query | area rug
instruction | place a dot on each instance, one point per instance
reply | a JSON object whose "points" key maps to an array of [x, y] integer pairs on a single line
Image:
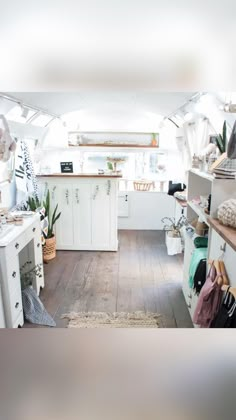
{"points": [[137, 319]]}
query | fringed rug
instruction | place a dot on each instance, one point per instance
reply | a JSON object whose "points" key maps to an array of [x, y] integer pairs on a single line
{"points": [[137, 319]]}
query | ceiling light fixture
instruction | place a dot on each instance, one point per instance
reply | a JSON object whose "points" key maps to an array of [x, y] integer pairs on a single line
{"points": [[25, 112], [188, 116]]}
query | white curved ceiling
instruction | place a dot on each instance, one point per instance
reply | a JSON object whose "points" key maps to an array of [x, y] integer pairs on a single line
{"points": [[161, 103]]}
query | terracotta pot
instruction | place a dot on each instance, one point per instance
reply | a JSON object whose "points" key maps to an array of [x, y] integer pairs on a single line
{"points": [[49, 249]]}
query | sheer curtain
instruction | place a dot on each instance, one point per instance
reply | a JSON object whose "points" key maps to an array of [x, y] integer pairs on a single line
{"points": [[196, 138]]}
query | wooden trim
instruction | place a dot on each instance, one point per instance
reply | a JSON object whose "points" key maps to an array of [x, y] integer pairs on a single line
{"points": [[136, 146], [78, 176], [111, 132], [226, 232]]}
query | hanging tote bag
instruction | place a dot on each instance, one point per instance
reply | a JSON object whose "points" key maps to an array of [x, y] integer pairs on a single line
{"points": [[209, 300]]}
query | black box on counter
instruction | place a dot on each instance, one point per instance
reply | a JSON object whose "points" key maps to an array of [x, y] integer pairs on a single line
{"points": [[66, 167]]}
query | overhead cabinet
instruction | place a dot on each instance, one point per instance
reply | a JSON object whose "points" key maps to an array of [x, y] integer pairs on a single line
{"points": [[88, 209]]}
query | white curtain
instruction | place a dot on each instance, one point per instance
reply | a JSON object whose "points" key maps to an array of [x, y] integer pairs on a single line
{"points": [[196, 138]]}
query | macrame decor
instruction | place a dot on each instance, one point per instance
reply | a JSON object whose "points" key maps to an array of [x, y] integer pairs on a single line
{"points": [[227, 213]]}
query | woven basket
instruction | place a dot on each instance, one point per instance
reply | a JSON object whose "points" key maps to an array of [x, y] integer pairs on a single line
{"points": [[143, 185], [49, 249]]}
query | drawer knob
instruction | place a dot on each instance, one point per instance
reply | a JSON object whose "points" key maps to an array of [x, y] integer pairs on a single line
{"points": [[38, 245], [17, 305], [34, 229], [189, 305], [190, 296], [17, 245], [14, 274]]}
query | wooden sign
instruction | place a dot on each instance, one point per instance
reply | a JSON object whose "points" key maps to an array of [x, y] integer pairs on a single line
{"points": [[66, 167]]}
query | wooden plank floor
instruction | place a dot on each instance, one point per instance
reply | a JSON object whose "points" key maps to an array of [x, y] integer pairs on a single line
{"points": [[140, 276]]}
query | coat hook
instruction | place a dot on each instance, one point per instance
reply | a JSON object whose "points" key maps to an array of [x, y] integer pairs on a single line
{"points": [[223, 247]]}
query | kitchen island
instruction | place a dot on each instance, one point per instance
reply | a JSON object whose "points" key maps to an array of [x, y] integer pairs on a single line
{"points": [[88, 206]]}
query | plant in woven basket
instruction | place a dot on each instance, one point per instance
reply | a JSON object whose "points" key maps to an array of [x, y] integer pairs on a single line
{"points": [[172, 226], [52, 216], [49, 249]]}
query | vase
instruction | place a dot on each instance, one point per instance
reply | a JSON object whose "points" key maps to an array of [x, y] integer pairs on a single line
{"points": [[49, 249]]}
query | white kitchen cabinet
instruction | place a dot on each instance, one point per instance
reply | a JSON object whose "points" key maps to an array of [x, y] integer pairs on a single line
{"points": [[63, 195], [123, 204], [104, 214], [82, 215], [88, 207]]}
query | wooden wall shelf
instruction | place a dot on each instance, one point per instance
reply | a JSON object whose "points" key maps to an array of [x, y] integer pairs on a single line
{"points": [[226, 232], [130, 146]]}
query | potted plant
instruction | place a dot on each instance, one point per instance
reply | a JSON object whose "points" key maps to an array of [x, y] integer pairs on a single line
{"points": [[49, 248], [221, 139], [173, 233]]}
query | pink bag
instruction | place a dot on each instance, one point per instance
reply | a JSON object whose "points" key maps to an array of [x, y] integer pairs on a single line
{"points": [[209, 300]]}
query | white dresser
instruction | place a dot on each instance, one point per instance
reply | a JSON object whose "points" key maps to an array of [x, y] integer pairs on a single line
{"points": [[21, 244]]}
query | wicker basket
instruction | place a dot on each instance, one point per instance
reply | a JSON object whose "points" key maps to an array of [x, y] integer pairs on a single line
{"points": [[49, 249], [143, 185]]}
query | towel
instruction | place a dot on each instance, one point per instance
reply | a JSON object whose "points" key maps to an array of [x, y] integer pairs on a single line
{"points": [[26, 183]]}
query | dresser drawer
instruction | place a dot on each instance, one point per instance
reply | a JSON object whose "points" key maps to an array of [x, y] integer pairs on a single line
{"points": [[15, 305], [34, 231], [16, 246], [13, 283], [19, 321]]}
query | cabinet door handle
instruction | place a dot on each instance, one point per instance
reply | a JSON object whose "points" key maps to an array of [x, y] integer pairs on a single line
{"points": [[14, 274], [17, 245], [53, 192], [77, 195], [96, 192], [67, 197], [34, 229], [17, 305], [108, 187], [126, 197]]}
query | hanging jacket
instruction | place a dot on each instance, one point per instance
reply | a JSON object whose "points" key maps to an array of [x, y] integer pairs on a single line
{"points": [[198, 255], [200, 276], [226, 316], [209, 300]]}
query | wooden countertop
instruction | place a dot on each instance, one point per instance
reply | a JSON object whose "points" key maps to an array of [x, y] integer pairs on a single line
{"points": [[226, 232], [59, 175]]}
